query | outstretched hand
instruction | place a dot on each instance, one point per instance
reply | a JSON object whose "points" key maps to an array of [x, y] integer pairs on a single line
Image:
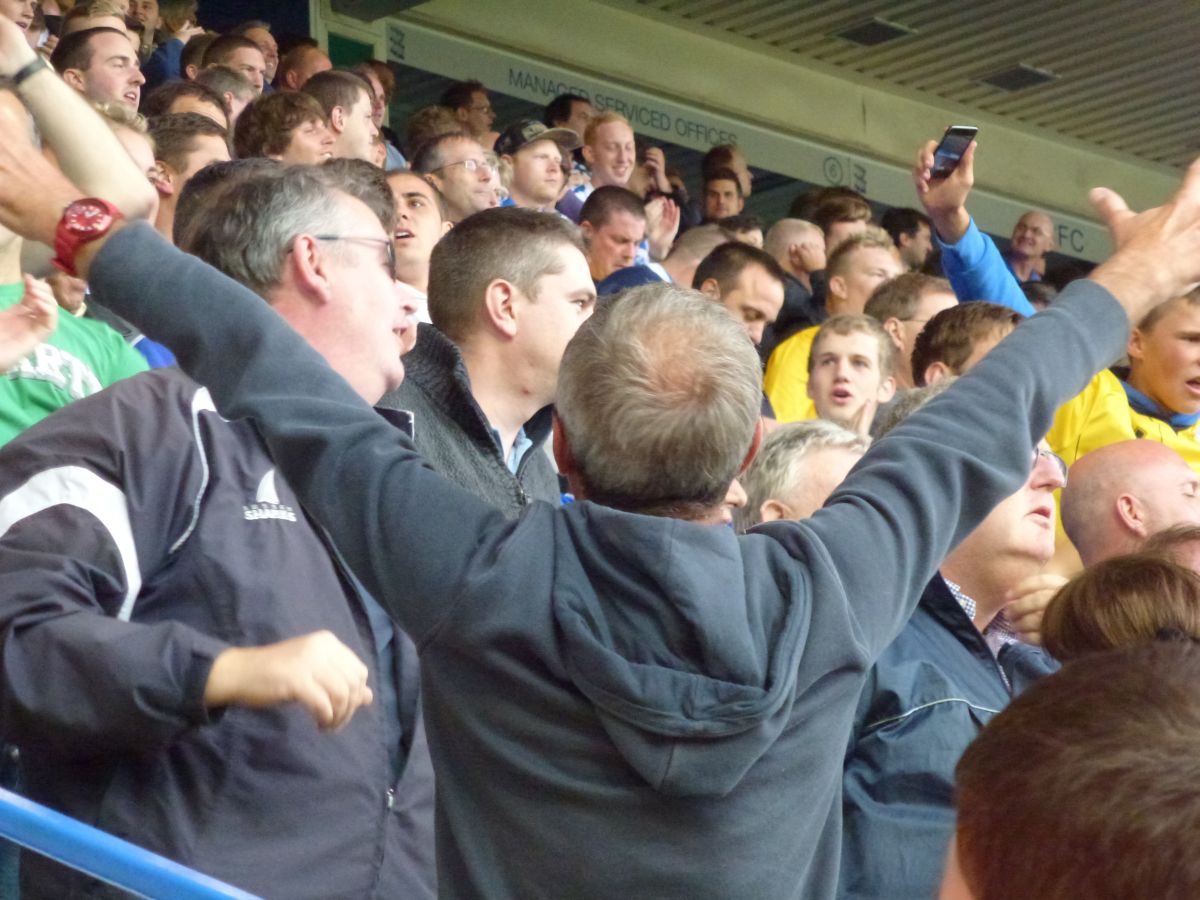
{"points": [[315, 670], [1157, 254], [945, 199], [662, 224]]}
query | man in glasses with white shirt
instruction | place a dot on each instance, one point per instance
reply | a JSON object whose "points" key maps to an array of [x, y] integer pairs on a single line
{"points": [[457, 165]]}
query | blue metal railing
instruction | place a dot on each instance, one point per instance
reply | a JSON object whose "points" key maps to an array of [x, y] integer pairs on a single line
{"points": [[103, 856]]}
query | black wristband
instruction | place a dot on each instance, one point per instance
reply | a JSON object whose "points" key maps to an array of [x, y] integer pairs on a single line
{"points": [[29, 69]]}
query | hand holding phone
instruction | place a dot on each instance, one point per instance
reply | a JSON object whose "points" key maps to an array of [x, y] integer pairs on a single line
{"points": [[950, 149], [943, 177]]}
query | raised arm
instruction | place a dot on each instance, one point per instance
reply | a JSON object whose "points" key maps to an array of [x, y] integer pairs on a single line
{"points": [[927, 484], [88, 151], [969, 257]]}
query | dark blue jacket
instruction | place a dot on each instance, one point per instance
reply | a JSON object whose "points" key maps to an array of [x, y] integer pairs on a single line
{"points": [[924, 701], [140, 535]]}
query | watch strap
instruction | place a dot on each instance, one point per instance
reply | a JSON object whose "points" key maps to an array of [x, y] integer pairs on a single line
{"points": [[28, 70]]}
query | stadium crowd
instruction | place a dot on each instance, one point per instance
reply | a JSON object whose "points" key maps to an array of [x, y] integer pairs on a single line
{"points": [[461, 509]]}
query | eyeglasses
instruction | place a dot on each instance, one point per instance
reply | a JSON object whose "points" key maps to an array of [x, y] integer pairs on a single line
{"points": [[471, 165], [389, 247], [1059, 463]]}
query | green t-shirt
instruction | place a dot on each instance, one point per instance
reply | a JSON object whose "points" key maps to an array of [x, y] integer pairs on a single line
{"points": [[79, 359]]}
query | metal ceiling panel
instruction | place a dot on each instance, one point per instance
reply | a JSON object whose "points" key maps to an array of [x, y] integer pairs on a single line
{"points": [[1126, 71]]}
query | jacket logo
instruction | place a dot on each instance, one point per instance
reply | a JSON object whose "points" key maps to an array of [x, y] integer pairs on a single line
{"points": [[266, 503]]}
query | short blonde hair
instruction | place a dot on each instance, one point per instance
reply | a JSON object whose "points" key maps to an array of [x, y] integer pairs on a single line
{"points": [[599, 120]]}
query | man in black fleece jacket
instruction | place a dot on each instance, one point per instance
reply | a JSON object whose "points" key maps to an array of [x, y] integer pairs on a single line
{"points": [[653, 707]]}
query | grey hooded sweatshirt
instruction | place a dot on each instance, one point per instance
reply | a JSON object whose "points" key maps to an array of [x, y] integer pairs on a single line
{"points": [[622, 705]]}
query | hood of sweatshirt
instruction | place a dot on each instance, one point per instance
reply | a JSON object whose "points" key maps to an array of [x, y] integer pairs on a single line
{"points": [[686, 644]]}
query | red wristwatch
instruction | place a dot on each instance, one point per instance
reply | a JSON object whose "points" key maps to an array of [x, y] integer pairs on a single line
{"points": [[82, 221]]}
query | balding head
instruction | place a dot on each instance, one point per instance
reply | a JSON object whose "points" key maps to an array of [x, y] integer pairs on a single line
{"points": [[693, 245], [1119, 495], [788, 240], [1033, 235]]}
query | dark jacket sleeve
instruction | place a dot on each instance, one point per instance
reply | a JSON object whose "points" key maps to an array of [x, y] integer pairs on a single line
{"points": [[164, 64], [926, 485], [82, 526], [387, 511], [915, 495]]}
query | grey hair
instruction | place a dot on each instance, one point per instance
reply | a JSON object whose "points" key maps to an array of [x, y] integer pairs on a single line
{"points": [[250, 232], [658, 394], [782, 464]]}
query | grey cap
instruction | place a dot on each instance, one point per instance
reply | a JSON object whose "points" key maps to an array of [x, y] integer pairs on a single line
{"points": [[525, 131]]}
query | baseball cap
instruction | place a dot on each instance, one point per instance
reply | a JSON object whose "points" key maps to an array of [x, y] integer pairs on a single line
{"points": [[526, 131]]}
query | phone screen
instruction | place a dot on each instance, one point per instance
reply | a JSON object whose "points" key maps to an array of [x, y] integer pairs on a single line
{"points": [[954, 144]]}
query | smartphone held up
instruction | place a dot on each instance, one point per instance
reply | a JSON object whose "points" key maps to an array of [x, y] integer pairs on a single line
{"points": [[950, 149]]}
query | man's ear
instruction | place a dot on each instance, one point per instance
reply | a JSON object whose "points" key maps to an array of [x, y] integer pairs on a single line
{"points": [[499, 306], [589, 156], [1135, 347], [163, 178], [308, 269], [773, 511], [74, 78], [710, 288], [1132, 515], [446, 226], [895, 327], [837, 289], [936, 371], [586, 229], [887, 389], [337, 119]]}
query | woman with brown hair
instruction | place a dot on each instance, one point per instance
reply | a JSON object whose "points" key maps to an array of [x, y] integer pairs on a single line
{"points": [[1121, 601]]}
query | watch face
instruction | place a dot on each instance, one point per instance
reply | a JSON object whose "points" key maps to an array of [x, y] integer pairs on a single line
{"points": [[87, 217]]}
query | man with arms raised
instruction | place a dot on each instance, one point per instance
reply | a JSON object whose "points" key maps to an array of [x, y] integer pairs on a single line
{"points": [[593, 687], [1157, 397]]}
